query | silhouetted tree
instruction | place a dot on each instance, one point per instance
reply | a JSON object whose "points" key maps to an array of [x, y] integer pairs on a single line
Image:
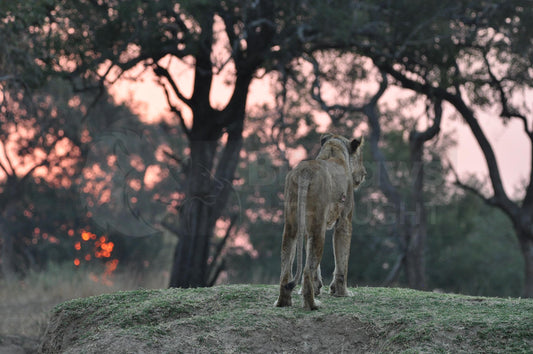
{"points": [[105, 39], [470, 54]]}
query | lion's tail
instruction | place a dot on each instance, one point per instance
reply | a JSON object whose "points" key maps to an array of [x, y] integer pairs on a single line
{"points": [[303, 186]]}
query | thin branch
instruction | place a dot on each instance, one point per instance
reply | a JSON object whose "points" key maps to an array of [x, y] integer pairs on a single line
{"points": [[384, 180], [175, 110], [382, 88], [434, 129], [281, 104], [229, 22], [218, 264], [335, 111], [4, 169], [216, 273], [10, 165], [4, 104], [94, 101], [489, 201], [28, 174], [162, 72], [44, 162], [507, 111], [393, 274], [222, 243], [172, 156], [7, 77]]}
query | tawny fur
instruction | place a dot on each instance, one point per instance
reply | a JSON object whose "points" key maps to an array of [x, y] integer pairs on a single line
{"points": [[319, 196]]}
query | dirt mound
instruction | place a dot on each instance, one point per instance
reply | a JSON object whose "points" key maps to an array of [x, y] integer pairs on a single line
{"points": [[231, 319], [242, 318]]}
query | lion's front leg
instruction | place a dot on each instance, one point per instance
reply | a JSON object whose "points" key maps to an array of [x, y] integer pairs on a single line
{"points": [[341, 248]]}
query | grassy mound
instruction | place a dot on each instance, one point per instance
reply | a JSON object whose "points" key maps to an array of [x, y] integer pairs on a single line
{"points": [[241, 318]]}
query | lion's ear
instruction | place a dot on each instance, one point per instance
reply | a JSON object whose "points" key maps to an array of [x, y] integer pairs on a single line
{"points": [[355, 143], [325, 138]]}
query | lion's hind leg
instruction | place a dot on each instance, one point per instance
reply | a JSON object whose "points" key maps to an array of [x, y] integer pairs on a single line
{"points": [[318, 284], [288, 250], [341, 249], [309, 288], [311, 279]]}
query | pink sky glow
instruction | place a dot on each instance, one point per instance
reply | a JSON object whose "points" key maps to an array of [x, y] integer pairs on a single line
{"points": [[512, 149]]}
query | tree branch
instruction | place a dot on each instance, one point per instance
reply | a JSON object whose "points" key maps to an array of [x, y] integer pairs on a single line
{"points": [[218, 264], [10, 165], [7, 77], [457, 101], [222, 243], [234, 40], [434, 129], [335, 111], [507, 111], [466, 187], [369, 109], [213, 276], [393, 274], [4, 169], [176, 111], [279, 124], [222, 184], [162, 72], [28, 174]]}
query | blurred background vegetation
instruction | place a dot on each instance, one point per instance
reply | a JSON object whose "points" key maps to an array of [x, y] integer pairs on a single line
{"points": [[92, 192]]}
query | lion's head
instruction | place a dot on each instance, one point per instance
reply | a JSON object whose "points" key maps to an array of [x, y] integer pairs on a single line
{"points": [[352, 150]]}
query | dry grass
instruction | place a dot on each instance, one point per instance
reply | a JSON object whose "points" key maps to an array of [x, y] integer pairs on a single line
{"points": [[25, 305]]}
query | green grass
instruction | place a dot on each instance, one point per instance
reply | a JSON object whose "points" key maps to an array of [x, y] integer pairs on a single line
{"points": [[241, 318]]}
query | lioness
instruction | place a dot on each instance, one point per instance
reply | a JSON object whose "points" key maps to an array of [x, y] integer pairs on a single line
{"points": [[318, 196]]}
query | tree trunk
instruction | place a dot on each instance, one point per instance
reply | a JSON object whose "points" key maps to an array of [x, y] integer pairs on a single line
{"points": [[7, 259], [521, 216], [411, 225], [207, 197], [189, 269], [415, 261], [526, 246], [208, 188], [8, 270], [414, 254]]}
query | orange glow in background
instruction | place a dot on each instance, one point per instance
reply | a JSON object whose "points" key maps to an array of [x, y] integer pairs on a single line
{"points": [[101, 248]]}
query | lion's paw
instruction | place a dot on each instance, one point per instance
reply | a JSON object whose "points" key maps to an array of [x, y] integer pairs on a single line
{"points": [[283, 302], [340, 291], [315, 306]]}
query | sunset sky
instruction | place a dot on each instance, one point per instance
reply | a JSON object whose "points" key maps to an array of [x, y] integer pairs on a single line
{"points": [[511, 145]]}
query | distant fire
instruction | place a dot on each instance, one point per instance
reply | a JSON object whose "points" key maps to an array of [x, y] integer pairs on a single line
{"points": [[111, 266], [93, 247], [86, 236]]}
